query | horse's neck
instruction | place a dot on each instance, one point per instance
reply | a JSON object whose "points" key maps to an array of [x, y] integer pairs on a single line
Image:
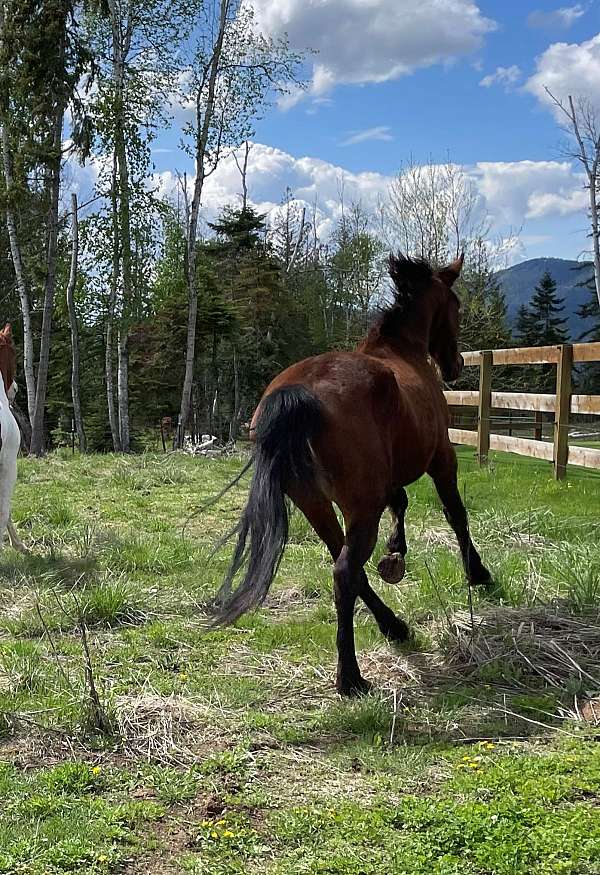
{"points": [[404, 346]]}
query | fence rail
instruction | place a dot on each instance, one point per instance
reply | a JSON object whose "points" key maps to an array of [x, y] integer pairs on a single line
{"points": [[562, 404]]}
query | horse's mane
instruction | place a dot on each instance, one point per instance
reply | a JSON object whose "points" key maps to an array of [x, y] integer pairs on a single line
{"points": [[411, 276], [6, 337]]}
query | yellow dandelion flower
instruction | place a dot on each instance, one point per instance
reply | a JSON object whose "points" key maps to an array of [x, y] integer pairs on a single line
{"points": [[102, 858], [96, 770], [214, 835], [228, 834]]}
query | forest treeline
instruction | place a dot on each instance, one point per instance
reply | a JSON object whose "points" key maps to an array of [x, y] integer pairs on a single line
{"points": [[134, 306]]}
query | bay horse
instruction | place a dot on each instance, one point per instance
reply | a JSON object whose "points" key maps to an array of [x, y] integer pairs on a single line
{"points": [[352, 429], [10, 436]]}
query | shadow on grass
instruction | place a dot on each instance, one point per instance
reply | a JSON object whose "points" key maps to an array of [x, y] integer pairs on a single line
{"points": [[53, 568]]}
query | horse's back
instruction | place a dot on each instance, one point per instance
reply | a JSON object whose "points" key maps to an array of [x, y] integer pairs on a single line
{"points": [[375, 436]]}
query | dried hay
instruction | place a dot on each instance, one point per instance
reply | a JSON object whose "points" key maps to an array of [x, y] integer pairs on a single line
{"points": [[162, 728], [526, 646]]}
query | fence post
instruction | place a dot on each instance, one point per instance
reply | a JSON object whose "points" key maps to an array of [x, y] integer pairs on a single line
{"points": [[562, 410], [485, 406]]}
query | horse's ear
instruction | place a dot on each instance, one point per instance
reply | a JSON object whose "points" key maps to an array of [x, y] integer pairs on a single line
{"points": [[451, 273], [7, 330]]}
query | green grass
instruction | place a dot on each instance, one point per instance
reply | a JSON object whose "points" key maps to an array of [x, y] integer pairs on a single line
{"points": [[230, 752]]}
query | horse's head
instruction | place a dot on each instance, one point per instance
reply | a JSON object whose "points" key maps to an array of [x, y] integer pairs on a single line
{"points": [[427, 310], [8, 360]]}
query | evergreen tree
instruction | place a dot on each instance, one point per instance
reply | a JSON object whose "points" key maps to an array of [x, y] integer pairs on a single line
{"points": [[548, 325], [541, 324], [526, 329]]}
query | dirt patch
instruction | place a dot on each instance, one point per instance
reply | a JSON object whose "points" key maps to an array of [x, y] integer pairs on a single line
{"points": [[168, 838]]}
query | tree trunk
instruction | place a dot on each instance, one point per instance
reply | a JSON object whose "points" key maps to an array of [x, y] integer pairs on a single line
{"points": [[233, 424], [123, 387], [37, 430], [112, 302], [203, 130], [122, 220], [595, 232], [75, 357], [24, 426], [108, 371], [22, 285]]}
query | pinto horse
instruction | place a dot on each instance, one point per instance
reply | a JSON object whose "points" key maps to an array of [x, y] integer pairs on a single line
{"points": [[10, 436], [352, 429]]}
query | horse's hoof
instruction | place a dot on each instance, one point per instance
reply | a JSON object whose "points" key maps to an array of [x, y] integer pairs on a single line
{"points": [[351, 688], [392, 567], [481, 578], [396, 631]]}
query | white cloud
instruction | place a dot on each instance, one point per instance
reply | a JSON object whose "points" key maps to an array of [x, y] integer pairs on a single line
{"points": [[506, 76], [360, 41], [563, 18], [513, 194], [520, 190], [383, 132], [568, 68], [548, 203]]}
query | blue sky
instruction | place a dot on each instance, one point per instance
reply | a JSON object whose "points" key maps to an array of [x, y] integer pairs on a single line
{"points": [[428, 78]]}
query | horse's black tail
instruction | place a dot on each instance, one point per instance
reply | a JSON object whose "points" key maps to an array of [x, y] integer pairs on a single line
{"points": [[290, 418]]}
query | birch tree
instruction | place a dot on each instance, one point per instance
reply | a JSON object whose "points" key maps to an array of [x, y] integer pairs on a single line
{"points": [[582, 124], [137, 50], [432, 212], [235, 71], [75, 355], [36, 87]]}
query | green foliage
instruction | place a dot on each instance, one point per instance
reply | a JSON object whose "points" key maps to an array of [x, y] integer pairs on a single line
{"points": [[543, 322], [56, 821]]}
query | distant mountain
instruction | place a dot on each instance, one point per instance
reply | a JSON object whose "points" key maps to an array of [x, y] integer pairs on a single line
{"points": [[519, 281]]}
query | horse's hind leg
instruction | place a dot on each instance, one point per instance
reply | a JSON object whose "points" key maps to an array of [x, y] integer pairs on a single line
{"points": [[391, 626], [446, 485], [391, 567], [321, 515], [348, 576]]}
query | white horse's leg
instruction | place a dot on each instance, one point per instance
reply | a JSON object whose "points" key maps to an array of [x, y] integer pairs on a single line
{"points": [[15, 542]]}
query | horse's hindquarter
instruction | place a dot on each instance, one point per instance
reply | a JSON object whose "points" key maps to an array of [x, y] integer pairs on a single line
{"points": [[381, 425]]}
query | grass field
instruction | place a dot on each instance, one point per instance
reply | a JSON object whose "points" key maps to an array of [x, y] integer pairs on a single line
{"points": [[171, 750]]}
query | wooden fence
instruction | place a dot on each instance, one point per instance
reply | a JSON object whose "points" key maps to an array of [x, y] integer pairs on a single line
{"points": [[562, 405]]}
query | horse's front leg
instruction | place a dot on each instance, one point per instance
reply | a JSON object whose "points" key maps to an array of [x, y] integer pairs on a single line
{"points": [[392, 566], [456, 514]]}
